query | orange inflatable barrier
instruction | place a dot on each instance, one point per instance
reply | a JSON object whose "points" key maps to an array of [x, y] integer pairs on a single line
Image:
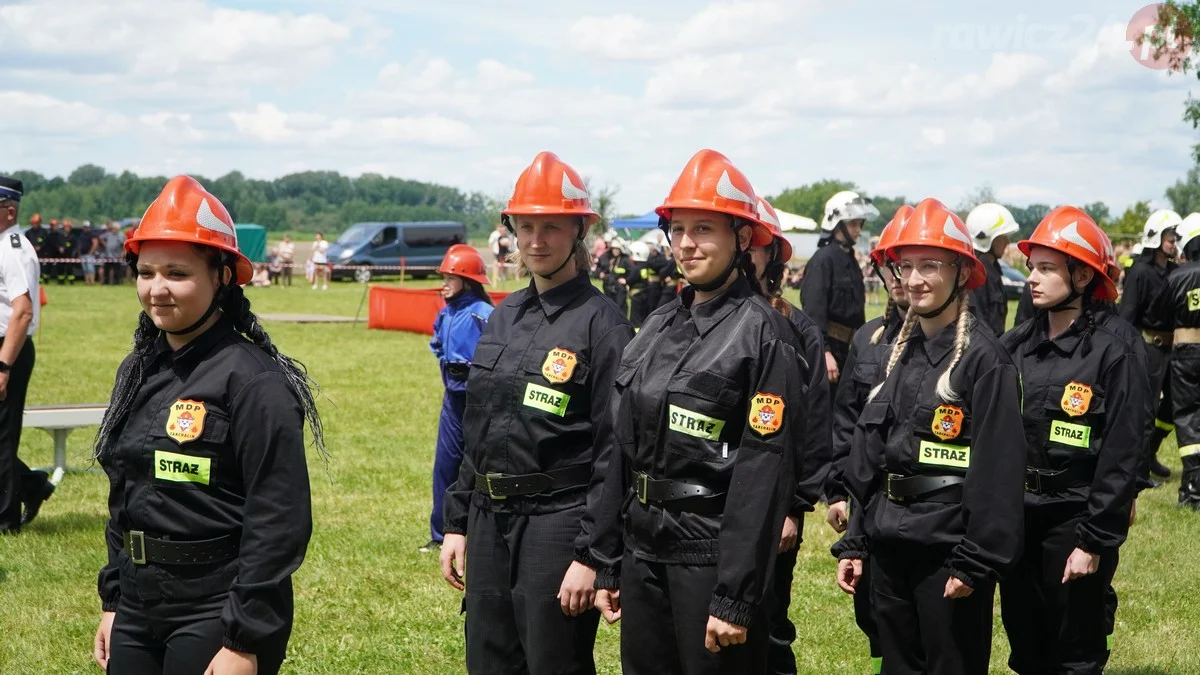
{"points": [[408, 309]]}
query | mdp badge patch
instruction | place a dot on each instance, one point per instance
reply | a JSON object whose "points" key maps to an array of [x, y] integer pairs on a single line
{"points": [[947, 422], [186, 420], [1077, 399], [559, 365], [766, 413]]}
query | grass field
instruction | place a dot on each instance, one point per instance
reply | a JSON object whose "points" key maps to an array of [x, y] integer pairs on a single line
{"points": [[367, 601]]}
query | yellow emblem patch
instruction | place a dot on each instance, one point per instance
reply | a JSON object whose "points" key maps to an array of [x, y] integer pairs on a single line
{"points": [[186, 421], [766, 413], [1077, 398], [559, 365], [947, 422]]}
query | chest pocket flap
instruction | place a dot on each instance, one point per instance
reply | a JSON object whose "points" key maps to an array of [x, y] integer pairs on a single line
{"points": [[486, 355]]}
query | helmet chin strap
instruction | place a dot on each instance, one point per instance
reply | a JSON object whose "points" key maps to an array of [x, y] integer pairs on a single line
{"points": [[841, 227], [720, 280], [1065, 303], [212, 307], [951, 298]]}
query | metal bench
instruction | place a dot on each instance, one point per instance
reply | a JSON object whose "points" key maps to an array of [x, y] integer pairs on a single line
{"points": [[59, 421]]}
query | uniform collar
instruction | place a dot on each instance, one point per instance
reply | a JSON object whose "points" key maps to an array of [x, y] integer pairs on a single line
{"points": [[10, 228], [936, 348], [554, 300], [1065, 344], [195, 350], [707, 315]]}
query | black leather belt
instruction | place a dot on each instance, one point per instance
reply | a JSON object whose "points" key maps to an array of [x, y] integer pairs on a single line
{"points": [[458, 371], [1041, 481], [656, 490], [143, 549], [945, 488], [501, 486]]}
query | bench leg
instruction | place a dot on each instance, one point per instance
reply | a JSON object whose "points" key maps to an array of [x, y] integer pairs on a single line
{"points": [[60, 455]]}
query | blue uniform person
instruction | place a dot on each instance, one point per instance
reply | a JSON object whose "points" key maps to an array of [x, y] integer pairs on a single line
{"points": [[456, 331]]}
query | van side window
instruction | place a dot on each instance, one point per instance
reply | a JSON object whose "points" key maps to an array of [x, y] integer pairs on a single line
{"points": [[384, 237], [432, 237]]}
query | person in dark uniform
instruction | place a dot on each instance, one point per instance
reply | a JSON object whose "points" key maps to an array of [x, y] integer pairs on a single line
{"points": [[1143, 282], [1178, 306], [770, 261], [456, 331], [616, 282], [68, 247], [36, 234], [1025, 309], [990, 226], [19, 314], [668, 273], [864, 370], [654, 264], [203, 444], [935, 464], [832, 292], [709, 420], [537, 431], [1082, 387], [51, 245], [638, 281]]}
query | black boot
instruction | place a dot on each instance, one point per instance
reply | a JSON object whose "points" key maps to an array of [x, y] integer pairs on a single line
{"points": [[36, 496], [1189, 483], [1156, 467]]}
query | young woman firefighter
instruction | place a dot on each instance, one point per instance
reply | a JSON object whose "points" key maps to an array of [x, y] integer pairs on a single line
{"points": [[935, 465], [203, 444], [1178, 306], [456, 331], [769, 263], [536, 421], [709, 413], [1080, 380], [869, 352], [1143, 282]]}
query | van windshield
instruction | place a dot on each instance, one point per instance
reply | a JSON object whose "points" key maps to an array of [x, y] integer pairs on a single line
{"points": [[357, 234]]}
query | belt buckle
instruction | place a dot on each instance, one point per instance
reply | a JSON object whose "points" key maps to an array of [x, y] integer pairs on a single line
{"points": [[135, 541], [889, 488], [1033, 482], [491, 492], [643, 486]]}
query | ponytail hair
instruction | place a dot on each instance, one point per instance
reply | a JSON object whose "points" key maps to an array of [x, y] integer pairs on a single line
{"points": [[889, 313], [962, 340], [233, 304], [772, 279], [898, 347], [476, 289]]}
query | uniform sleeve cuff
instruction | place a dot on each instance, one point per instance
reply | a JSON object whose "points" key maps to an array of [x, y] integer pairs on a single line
{"points": [[235, 645], [110, 605], [733, 611], [963, 577], [454, 529], [608, 579]]}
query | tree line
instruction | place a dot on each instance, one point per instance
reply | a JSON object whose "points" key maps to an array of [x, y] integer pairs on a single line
{"points": [[310, 201]]}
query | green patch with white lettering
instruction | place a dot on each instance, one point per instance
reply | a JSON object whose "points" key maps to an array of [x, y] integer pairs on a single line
{"points": [[179, 468], [694, 424], [546, 399], [1076, 435], [944, 455]]}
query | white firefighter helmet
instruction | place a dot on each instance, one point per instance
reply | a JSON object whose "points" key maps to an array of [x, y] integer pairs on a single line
{"points": [[1160, 221], [988, 221], [847, 205], [1138, 248], [1188, 230], [639, 251]]}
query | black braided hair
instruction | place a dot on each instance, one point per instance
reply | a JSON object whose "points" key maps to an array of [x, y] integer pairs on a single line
{"points": [[236, 306], [772, 278]]}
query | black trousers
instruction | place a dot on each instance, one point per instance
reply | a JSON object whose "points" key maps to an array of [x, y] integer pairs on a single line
{"points": [[664, 615], [782, 633], [921, 632], [176, 638], [639, 306], [16, 479], [1185, 392], [864, 616], [1056, 628], [618, 294], [1158, 364], [514, 623]]}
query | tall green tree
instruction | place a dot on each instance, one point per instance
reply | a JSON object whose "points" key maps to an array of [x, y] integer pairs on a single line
{"points": [[1177, 38], [1132, 221], [1184, 195], [809, 200]]}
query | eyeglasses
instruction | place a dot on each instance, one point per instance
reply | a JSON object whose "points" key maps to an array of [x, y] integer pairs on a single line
{"points": [[925, 269]]}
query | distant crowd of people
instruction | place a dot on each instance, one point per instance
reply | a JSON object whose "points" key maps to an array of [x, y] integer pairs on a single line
{"points": [[100, 250]]}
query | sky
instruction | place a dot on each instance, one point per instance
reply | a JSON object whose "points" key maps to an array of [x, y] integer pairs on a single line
{"points": [[1040, 100]]}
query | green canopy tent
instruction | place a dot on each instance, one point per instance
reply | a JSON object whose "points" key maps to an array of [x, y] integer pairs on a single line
{"points": [[252, 240]]}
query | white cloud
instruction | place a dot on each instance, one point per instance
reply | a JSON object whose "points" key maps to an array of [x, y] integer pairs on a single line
{"points": [[172, 126], [268, 124], [495, 76], [934, 135], [981, 132], [41, 114], [1028, 194]]}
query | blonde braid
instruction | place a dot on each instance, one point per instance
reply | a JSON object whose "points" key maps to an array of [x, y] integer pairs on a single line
{"points": [[962, 340], [887, 316], [910, 322]]}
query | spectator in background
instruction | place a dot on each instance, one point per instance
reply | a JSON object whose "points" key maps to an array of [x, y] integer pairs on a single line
{"points": [[89, 250], [51, 249], [261, 277], [287, 256], [320, 259], [114, 252], [36, 233], [274, 266], [68, 247]]}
